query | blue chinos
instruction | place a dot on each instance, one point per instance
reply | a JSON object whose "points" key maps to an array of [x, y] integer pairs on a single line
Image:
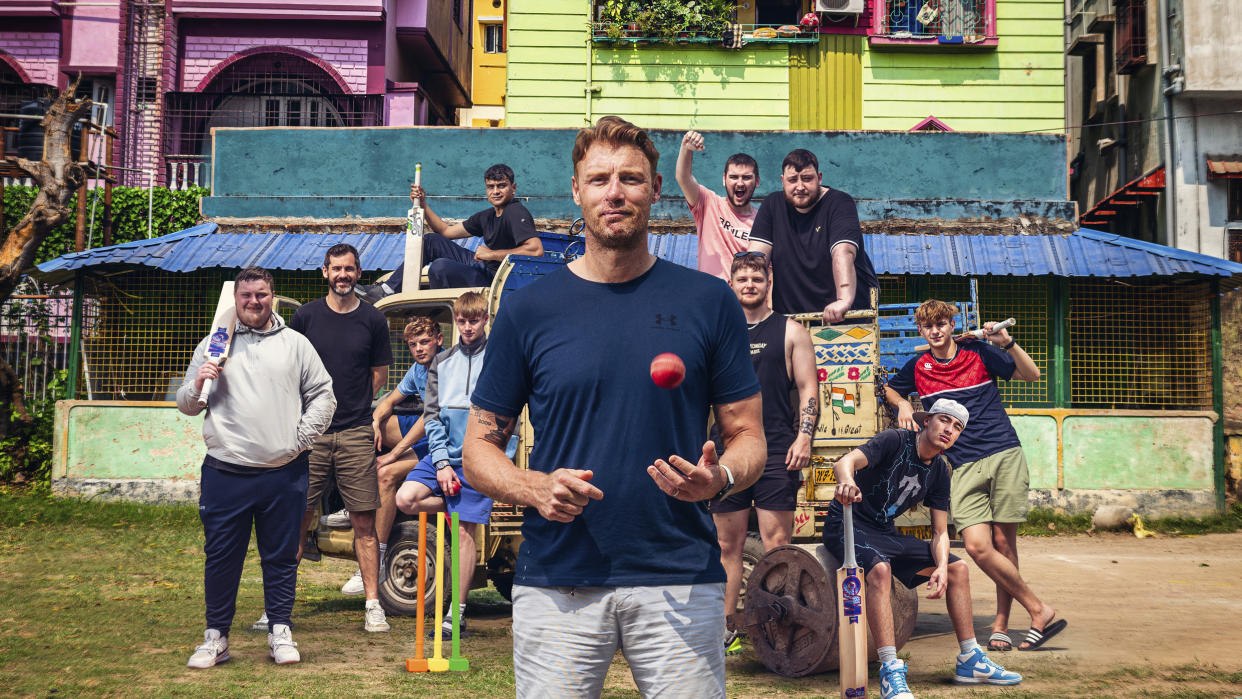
{"points": [[274, 500]]}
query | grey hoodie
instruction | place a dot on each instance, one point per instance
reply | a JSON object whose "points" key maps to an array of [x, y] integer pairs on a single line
{"points": [[272, 400]]}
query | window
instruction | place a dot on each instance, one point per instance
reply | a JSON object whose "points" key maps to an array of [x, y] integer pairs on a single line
{"points": [[457, 12], [1131, 37], [1235, 200], [1233, 214], [493, 38], [967, 22]]}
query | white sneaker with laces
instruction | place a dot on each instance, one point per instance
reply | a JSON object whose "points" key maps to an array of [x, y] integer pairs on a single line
{"points": [[260, 626], [215, 650], [375, 621], [336, 520], [353, 586], [284, 650]]}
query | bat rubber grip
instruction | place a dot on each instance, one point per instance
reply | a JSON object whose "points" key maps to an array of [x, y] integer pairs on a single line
{"points": [[848, 522], [202, 396]]}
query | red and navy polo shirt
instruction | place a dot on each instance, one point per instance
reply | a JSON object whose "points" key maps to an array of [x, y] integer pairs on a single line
{"points": [[970, 378]]}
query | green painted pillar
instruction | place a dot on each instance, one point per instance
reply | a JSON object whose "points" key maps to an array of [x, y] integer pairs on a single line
{"points": [[75, 337], [1059, 335], [1218, 401]]}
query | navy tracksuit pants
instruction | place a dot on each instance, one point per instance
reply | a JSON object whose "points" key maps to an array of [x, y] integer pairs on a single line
{"points": [[274, 501], [452, 266]]}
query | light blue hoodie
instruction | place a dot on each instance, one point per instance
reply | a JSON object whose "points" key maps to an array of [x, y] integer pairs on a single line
{"points": [[450, 383]]}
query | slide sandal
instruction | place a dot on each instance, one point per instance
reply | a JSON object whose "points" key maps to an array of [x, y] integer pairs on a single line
{"points": [[1000, 641], [1036, 638]]}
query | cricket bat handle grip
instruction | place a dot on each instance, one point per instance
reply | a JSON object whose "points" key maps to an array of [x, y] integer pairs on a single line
{"points": [[418, 179], [848, 523], [207, 384], [1003, 325]]}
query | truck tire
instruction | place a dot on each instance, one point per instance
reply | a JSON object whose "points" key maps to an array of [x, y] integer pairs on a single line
{"points": [[752, 551], [398, 594]]}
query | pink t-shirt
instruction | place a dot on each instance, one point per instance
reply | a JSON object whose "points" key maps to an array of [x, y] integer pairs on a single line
{"points": [[722, 233]]}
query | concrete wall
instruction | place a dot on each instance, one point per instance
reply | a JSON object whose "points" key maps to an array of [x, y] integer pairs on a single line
{"points": [[270, 172], [1212, 54], [1201, 203], [1158, 465]]}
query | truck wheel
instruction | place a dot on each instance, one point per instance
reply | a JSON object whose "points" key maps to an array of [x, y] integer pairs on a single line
{"points": [[398, 594], [752, 551]]}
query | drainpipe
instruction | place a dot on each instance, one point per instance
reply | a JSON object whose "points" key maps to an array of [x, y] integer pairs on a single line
{"points": [[590, 89], [1173, 86]]}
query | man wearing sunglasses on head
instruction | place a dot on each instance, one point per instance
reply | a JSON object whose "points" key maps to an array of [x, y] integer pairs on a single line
{"points": [[812, 236]]}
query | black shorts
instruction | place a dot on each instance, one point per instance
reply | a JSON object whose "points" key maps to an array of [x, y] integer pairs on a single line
{"points": [[776, 490], [907, 555]]}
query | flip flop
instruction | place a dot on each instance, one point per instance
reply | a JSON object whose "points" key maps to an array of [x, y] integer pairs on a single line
{"points": [[1000, 641], [1037, 638]]}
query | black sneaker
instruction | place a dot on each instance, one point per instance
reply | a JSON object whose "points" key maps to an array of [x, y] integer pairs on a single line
{"points": [[310, 548], [446, 631], [371, 292]]}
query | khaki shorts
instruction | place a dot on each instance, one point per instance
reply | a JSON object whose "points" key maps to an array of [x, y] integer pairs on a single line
{"points": [[992, 489], [349, 455]]}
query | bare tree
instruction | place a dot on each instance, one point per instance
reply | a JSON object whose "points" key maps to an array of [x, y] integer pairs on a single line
{"points": [[58, 175]]}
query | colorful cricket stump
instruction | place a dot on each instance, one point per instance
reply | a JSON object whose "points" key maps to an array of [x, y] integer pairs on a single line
{"points": [[419, 662], [457, 663], [437, 661]]}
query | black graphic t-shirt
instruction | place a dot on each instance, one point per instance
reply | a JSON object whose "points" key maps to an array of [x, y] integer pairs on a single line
{"points": [[895, 479], [510, 229]]}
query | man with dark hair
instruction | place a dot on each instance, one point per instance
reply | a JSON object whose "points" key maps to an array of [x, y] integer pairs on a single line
{"points": [[351, 338], [784, 360], [271, 400], [612, 559], [883, 478], [812, 235], [723, 223], [507, 228]]}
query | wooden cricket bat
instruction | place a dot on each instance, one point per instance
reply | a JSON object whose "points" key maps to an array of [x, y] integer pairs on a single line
{"points": [[222, 326], [977, 333], [413, 276], [851, 617]]}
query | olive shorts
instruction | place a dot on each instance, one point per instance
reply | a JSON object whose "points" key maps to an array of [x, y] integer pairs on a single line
{"points": [[349, 456], [992, 489]]}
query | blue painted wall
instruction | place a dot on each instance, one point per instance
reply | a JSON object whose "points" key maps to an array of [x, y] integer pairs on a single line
{"points": [[325, 173]]}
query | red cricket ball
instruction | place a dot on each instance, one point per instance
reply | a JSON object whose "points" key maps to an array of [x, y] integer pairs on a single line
{"points": [[455, 488], [667, 370]]}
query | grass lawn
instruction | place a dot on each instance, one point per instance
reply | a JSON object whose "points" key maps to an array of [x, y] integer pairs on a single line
{"points": [[105, 599]]}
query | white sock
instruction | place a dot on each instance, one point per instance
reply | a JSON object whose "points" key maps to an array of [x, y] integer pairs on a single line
{"points": [[372, 603], [968, 646], [886, 653]]}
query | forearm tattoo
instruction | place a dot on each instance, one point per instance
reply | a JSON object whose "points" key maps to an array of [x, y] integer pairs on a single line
{"points": [[809, 414], [499, 428]]}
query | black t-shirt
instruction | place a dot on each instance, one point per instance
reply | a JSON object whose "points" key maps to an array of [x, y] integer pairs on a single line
{"points": [[802, 251], [349, 345], [767, 354], [895, 479], [510, 229]]}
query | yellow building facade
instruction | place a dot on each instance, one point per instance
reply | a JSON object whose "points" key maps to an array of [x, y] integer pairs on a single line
{"points": [[489, 64]]}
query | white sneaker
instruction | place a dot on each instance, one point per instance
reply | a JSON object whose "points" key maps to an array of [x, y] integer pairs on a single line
{"points": [[336, 520], [284, 650], [215, 649], [353, 586], [375, 621], [260, 626]]}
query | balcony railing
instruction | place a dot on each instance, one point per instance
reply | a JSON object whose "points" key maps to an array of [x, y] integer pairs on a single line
{"points": [[965, 22], [735, 36], [1131, 41]]}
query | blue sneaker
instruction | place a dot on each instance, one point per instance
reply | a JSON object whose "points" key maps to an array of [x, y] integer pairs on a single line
{"points": [[977, 668], [893, 680]]}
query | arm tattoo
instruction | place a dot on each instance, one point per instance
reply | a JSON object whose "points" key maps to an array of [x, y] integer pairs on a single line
{"points": [[499, 428], [809, 415]]}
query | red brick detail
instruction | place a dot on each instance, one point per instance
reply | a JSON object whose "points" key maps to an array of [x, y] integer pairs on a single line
{"points": [[324, 65], [11, 62]]}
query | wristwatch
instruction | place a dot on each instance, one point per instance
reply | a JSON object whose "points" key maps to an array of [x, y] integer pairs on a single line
{"points": [[728, 486], [442, 464], [1009, 346]]}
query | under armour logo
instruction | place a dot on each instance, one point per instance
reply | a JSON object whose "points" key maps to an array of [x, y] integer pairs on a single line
{"points": [[663, 321]]}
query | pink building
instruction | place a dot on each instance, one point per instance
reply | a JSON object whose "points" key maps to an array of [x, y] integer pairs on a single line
{"points": [[171, 71]]}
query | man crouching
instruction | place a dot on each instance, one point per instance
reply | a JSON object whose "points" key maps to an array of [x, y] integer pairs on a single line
{"points": [[886, 476]]}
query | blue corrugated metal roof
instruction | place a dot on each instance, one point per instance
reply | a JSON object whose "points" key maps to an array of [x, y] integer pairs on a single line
{"points": [[1084, 253]]}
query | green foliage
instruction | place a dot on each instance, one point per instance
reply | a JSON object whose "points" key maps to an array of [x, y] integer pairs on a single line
{"points": [[172, 211], [26, 454], [26, 509], [667, 20], [1045, 522]]}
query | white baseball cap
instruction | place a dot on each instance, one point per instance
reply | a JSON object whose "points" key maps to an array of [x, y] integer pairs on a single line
{"points": [[947, 406]]}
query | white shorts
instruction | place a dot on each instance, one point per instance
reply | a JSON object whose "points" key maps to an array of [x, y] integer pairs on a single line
{"points": [[564, 639]]}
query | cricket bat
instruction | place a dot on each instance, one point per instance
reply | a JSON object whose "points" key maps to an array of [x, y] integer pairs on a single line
{"points": [[222, 326], [851, 618], [977, 333], [413, 275]]}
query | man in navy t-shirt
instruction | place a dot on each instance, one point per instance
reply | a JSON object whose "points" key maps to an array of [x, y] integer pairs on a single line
{"points": [[619, 550], [880, 480], [506, 228], [990, 478]]}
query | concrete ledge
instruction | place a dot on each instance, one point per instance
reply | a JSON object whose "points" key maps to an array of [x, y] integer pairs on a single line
{"points": [[1146, 503], [152, 491]]}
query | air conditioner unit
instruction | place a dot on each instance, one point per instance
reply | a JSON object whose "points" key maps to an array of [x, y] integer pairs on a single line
{"points": [[840, 7]]}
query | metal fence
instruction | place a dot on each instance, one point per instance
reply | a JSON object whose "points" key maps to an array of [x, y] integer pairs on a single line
{"points": [[35, 325]]}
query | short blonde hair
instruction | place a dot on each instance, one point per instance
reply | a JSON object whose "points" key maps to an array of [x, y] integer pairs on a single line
{"points": [[421, 325], [470, 305], [932, 311], [615, 131]]}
